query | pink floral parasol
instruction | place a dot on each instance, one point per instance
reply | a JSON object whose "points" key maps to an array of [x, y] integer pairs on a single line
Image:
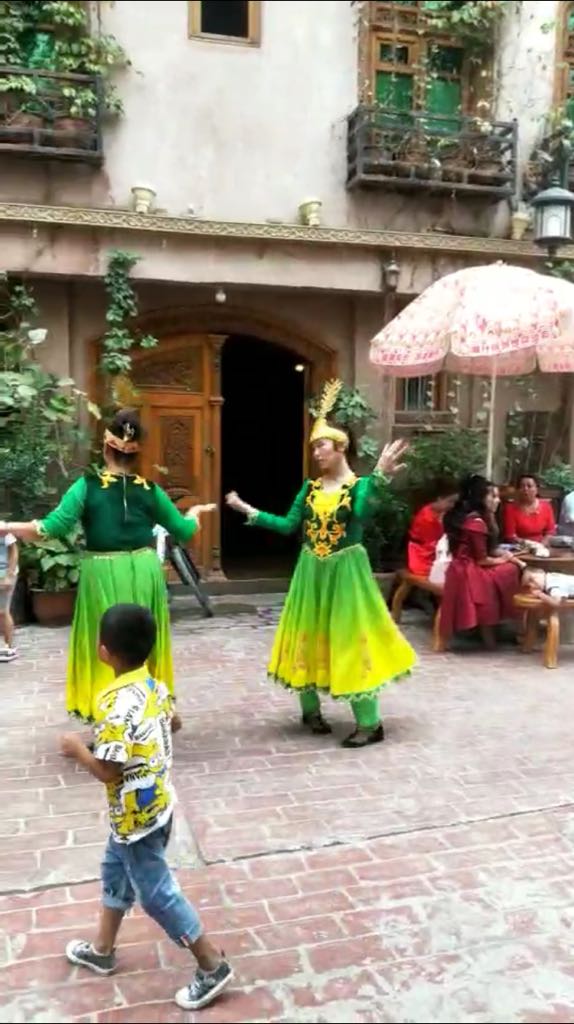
{"points": [[488, 321], [491, 320]]}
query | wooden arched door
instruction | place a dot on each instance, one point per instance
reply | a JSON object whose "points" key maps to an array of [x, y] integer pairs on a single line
{"points": [[179, 396]]}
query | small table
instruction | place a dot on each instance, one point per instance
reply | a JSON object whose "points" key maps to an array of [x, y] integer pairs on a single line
{"points": [[558, 561]]}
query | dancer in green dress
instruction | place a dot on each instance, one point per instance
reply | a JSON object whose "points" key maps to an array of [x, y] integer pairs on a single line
{"points": [[118, 510], [336, 635]]}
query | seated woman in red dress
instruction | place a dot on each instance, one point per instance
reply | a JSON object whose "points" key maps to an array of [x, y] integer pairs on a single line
{"points": [[528, 517], [479, 586], [427, 528]]}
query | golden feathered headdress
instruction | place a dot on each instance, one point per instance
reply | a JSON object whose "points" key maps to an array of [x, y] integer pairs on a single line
{"points": [[322, 430]]}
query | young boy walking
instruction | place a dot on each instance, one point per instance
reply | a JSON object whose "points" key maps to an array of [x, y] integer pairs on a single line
{"points": [[8, 580], [132, 757]]}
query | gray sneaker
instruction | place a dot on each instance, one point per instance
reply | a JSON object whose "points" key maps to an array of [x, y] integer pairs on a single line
{"points": [[83, 954], [205, 987]]}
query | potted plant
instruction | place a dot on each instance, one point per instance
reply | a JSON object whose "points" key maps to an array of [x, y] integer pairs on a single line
{"points": [[54, 36], [75, 113], [52, 571], [79, 52], [39, 415], [20, 115], [17, 88]]}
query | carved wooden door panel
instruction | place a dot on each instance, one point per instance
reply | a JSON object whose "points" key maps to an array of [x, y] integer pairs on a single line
{"points": [[174, 386], [174, 451]]}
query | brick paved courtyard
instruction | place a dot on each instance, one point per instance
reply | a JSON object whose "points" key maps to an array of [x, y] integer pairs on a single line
{"points": [[429, 879]]}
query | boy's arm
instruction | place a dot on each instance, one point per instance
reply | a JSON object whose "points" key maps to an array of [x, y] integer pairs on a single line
{"points": [[104, 771]]}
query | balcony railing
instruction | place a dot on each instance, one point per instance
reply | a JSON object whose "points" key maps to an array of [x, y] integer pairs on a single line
{"points": [[45, 114], [418, 150]]}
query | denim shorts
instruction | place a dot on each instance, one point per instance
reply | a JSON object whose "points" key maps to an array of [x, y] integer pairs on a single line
{"points": [[139, 872]]}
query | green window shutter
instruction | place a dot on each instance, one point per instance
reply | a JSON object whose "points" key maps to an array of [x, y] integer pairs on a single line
{"points": [[444, 96], [394, 91]]}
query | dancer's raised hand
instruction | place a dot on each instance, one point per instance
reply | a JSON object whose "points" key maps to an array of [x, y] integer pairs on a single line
{"points": [[232, 500], [390, 458]]}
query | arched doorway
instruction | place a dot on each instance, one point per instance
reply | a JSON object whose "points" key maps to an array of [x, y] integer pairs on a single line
{"points": [[181, 397], [262, 446]]}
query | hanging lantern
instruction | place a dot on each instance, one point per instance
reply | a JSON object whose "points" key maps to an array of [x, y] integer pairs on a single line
{"points": [[553, 218]]}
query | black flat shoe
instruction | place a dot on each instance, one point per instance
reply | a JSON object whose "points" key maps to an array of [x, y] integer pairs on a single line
{"points": [[362, 738], [317, 724]]}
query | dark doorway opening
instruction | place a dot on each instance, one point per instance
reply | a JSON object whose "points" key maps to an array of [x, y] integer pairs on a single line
{"points": [[263, 387]]}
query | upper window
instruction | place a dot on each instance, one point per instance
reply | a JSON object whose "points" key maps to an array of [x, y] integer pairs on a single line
{"points": [[565, 84], [229, 21], [422, 394], [413, 69]]}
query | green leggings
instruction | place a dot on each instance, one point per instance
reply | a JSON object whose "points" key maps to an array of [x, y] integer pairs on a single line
{"points": [[365, 710]]}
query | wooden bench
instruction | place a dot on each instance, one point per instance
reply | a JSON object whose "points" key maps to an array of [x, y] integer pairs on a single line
{"points": [[407, 581], [535, 610]]}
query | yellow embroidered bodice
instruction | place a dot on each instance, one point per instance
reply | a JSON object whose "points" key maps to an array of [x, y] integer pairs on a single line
{"points": [[331, 520]]}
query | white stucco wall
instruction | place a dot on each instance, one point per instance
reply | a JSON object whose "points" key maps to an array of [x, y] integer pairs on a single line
{"points": [[526, 69], [238, 132]]}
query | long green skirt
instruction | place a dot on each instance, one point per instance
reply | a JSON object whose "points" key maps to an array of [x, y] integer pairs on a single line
{"points": [[336, 633], [123, 577]]}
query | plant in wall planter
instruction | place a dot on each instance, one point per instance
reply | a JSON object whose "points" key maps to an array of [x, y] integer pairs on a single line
{"points": [[55, 36], [20, 112], [75, 115], [78, 52]]}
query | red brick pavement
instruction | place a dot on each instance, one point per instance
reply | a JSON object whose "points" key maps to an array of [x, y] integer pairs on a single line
{"points": [[429, 879]]}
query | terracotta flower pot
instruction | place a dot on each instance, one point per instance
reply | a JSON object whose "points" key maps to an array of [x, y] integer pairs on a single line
{"points": [[53, 608], [72, 133], [19, 129]]}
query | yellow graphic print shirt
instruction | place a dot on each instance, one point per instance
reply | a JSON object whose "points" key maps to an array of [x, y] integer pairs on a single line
{"points": [[133, 729]]}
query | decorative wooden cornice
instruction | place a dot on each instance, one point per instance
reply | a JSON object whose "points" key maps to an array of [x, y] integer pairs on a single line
{"points": [[160, 224]]}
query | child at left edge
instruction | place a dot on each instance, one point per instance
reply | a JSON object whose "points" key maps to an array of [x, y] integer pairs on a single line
{"points": [[132, 756], [8, 580]]}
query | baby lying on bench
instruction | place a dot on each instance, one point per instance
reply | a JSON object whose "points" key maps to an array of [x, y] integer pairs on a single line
{"points": [[552, 588]]}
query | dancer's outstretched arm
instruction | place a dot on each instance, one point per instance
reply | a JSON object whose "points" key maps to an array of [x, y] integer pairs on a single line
{"points": [[279, 524], [58, 523]]}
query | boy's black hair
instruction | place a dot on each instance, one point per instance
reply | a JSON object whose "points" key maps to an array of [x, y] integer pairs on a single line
{"points": [[128, 631]]}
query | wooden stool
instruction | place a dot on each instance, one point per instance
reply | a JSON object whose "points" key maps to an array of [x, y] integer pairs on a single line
{"points": [[534, 610], [407, 581]]}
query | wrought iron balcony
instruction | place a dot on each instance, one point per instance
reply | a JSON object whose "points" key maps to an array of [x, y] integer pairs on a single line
{"points": [[403, 151], [45, 114]]}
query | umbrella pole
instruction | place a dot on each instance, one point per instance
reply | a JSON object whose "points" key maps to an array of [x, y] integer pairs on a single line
{"points": [[490, 447]]}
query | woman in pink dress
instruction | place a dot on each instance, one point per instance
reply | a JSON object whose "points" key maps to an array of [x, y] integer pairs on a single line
{"points": [[480, 585]]}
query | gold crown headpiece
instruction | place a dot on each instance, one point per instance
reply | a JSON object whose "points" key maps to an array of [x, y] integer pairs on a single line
{"points": [[124, 444], [322, 430]]}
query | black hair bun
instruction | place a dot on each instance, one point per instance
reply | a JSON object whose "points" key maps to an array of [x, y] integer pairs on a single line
{"points": [[126, 424]]}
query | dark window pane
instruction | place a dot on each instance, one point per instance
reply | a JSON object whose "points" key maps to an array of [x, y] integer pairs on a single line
{"points": [[418, 394], [225, 18], [390, 54], [445, 58]]}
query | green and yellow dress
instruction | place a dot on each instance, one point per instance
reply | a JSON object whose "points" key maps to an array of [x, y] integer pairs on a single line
{"points": [[335, 634], [120, 565]]}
